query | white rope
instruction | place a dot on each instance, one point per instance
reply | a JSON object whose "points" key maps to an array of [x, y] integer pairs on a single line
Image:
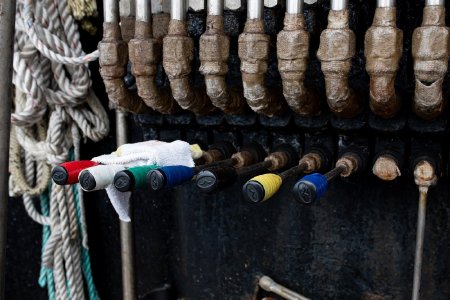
{"points": [[54, 109]]}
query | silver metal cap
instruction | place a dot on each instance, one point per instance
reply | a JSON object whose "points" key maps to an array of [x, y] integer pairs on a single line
{"points": [[339, 4], [255, 9], [160, 6], [385, 3], [178, 9], [294, 6], [215, 7], [434, 2], [111, 11], [143, 10]]}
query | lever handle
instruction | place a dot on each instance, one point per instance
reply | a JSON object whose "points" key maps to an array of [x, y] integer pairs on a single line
{"points": [[132, 178], [67, 173], [170, 176], [262, 187], [214, 178], [310, 188]]}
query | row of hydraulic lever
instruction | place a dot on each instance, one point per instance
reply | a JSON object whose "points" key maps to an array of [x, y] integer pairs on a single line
{"points": [[222, 165]]}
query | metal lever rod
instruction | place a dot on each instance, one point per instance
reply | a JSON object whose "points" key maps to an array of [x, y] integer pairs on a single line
{"points": [[111, 15], [7, 19], [421, 217], [126, 228], [269, 285], [424, 176]]}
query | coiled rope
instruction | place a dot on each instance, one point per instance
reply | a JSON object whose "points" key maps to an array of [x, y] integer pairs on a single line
{"points": [[53, 103]]}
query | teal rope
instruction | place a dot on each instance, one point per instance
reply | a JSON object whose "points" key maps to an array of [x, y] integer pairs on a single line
{"points": [[46, 274], [46, 278], [85, 258]]}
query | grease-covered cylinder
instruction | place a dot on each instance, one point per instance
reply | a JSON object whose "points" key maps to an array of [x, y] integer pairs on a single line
{"points": [[145, 55], [253, 50], [336, 50], [383, 46], [430, 51], [178, 53], [293, 57], [113, 59], [214, 53]]}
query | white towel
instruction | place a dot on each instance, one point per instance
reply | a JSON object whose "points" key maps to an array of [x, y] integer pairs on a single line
{"points": [[141, 154], [164, 154]]}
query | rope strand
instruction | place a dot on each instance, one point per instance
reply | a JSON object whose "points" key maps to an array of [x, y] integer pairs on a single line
{"points": [[54, 109]]}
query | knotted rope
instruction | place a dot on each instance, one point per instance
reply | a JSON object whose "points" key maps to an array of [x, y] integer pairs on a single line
{"points": [[53, 103]]}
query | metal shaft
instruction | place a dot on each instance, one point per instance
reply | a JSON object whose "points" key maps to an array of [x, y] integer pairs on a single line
{"points": [[215, 7], [419, 243], [385, 3], [126, 228], [7, 19], [255, 168], [294, 6], [339, 4], [434, 2], [335, 172], [111, 11], [160, 6], [293, 171], [255, 9], [144, 10], [178, 9]]}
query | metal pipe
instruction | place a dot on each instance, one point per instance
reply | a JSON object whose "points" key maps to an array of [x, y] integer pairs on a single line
{"points": [[144, 10], [160, 6], [339, 4], [7, 19], [425, 177], [269, 285], [255, 9], [385, 3], [419, 243], [126, 228], [294, 6], [434, 2], [215, 7], [111, 11], [178, 9]]}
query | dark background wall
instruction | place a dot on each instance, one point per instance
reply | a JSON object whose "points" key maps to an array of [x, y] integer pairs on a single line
{"points": [[356, 242]]}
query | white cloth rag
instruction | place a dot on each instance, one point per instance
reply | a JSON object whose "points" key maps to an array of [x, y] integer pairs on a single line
{"points": [[141, 154]]}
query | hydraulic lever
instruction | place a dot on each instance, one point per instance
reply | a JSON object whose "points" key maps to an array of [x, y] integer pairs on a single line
{"points": [[313, 187], [172, 176], [219, 177], [263, 187], [425, 177]]}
